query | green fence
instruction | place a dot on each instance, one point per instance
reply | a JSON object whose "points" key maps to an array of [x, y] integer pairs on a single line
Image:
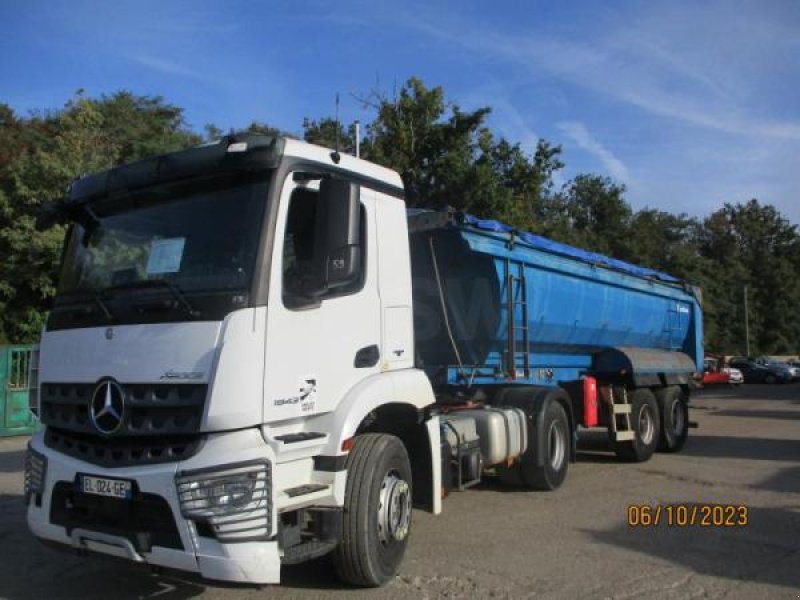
{"points": [[15, 387]]}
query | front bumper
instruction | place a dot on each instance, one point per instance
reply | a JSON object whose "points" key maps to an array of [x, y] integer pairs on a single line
{"points": [[255, 562]]}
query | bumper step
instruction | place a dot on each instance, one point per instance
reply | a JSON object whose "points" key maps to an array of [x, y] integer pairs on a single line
{"points": [[303, 436], [307, 551], [302, 490]]}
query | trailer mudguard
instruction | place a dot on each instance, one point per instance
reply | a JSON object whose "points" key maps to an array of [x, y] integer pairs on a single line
{"points": [[645, 366]]}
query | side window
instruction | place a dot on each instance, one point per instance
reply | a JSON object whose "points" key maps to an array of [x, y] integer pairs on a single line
{"points": [[303, 271]]}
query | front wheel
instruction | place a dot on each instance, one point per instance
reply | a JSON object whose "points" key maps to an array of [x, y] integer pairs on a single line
{"points": [[377, 511], [770, 379]]}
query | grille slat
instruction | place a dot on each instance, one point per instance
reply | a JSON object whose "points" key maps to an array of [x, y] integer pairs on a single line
{"points": [[122, 452], [161, 423], [151, 409]]}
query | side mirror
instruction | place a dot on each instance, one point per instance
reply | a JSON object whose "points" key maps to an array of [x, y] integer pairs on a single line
{"points": [[338, 233]]}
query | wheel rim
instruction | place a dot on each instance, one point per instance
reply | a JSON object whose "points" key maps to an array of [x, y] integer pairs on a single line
{"points": [[394, 509], [678, 417], [557, 446], [647, 425]]}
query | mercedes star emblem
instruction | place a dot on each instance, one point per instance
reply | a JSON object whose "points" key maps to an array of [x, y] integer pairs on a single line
{"points": [[107, 407]]}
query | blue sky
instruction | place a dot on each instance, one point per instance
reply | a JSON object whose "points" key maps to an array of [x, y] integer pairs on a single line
{"points": [[690, 104]]}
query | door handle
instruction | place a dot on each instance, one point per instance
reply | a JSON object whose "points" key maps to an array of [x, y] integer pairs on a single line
{"points": [[368, 356]]}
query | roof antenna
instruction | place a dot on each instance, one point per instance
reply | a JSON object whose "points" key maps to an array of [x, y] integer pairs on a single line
{"points": [[335, 156]]}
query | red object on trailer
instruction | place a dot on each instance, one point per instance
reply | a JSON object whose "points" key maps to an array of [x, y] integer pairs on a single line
{"points": [[589, 402]]}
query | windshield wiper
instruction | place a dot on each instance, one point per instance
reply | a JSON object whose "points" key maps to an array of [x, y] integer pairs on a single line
{"points": [[176, 291]]}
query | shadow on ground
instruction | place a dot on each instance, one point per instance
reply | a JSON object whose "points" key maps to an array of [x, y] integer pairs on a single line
{"points": [[741, 447], [12, 462], [759, 414], [766, 550], [785, 480], [62, 574]]}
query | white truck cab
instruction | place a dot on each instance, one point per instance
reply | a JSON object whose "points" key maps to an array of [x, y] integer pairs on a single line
{"points": [[228, 319]]}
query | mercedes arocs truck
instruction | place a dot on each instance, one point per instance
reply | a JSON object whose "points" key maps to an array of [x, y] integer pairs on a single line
{"points": [[257, 356]]}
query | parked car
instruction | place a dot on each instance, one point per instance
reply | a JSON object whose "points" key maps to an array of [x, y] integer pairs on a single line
{"points": [[712, 374], [754, 372], [735, 376], [794, 370]]}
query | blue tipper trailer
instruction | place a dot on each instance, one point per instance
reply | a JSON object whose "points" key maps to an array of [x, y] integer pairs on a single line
{"points": [[498, 309]]}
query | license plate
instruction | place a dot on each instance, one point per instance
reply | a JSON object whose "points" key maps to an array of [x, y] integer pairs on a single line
{"points": [[102, 486]]}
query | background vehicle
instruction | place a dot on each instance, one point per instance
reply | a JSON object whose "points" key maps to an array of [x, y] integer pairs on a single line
{"points": [[794, 372], [270, 360], [754, 372], [735, 376], [713, 374]]}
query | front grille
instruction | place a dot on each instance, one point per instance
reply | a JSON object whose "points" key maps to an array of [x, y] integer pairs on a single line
{"points": [[122, 451], [146, 519], [161, 409]]}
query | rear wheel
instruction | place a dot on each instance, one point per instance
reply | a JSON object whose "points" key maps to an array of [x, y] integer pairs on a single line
{"points": [[674, 419], [555, 448], [377, 511], [770, 379], [645, 423]]}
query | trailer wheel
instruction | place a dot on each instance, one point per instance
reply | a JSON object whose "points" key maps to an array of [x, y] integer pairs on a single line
{"points": [[550, 474], [646, 426], [674, 419], [377, 511]]}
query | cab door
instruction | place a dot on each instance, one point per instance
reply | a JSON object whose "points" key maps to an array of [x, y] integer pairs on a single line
{"points": [[318, 346]]}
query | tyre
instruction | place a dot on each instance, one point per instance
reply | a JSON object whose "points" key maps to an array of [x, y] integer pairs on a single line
{"points": [[646, 424], [770, 379], [376, 520], [551, 473], [674, 419]]}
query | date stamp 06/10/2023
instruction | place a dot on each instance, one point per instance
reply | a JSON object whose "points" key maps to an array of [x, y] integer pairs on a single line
{"points": [[688, 515]]}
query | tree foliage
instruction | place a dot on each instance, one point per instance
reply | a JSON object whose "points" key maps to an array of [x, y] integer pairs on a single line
{"points": [[39, 157], [446, 156]]}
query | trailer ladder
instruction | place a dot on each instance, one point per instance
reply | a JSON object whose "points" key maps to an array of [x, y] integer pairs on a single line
{"points": [[518, 333], [621, 416]]}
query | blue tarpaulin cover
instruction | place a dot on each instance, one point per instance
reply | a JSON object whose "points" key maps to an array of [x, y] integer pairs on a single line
{"points": [[540, 243]]}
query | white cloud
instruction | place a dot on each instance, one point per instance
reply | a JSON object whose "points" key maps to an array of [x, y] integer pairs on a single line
{"points": [[579, 134], [163, 66], [698, 93]]}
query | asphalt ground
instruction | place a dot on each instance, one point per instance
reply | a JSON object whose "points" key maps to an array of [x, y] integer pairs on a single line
{"points": [[491, 542]]}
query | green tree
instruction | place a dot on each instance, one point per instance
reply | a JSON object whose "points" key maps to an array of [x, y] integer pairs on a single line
{"points": [[599, 217], [41, 155], [326, 131], [753, 245], [449, 157]]}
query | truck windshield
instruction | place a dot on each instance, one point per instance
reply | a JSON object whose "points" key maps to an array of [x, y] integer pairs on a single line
{"points": [[170, 253]]}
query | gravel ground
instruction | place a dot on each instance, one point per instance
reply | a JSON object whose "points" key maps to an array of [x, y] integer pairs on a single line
{"points": [[492, 542]]}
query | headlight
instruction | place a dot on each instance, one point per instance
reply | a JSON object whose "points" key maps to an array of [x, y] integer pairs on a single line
{"points": [[234, 500], [35, 473]]}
